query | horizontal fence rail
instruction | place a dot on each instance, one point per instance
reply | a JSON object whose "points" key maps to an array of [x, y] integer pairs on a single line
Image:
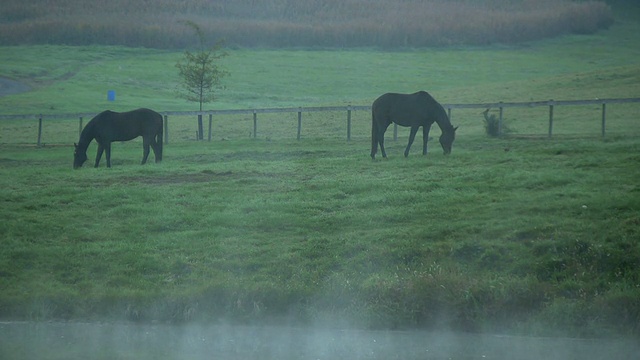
{"points": [[348, 108]]}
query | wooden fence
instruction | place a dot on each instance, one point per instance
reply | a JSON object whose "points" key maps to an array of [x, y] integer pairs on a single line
{"points": [[551, 104]]}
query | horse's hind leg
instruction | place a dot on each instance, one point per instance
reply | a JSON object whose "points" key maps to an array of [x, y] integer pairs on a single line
{"points": [[412, 136], [157, 148], [145, 152], [381, 142], [425, 139], [99, 154], [374, 147], [377, 138], [157, 151], [374, 144]]}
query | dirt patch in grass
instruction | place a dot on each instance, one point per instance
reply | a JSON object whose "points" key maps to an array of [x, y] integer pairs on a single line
{"points": [[274, 155], [10, 87], [4, 162]]}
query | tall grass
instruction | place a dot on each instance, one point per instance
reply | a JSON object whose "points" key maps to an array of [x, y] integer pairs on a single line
{"points": [[298, 24]]}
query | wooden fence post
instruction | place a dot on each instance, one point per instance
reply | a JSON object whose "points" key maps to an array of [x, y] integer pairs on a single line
{"points": [[40, 130], [255, 124], [349, 123], [604, 118], [299, 122], [350, 108], [550, 117], [200, 128], [166, 129]]}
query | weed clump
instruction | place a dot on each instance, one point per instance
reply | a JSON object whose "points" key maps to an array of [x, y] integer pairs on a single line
{"points": [[493, 126]]}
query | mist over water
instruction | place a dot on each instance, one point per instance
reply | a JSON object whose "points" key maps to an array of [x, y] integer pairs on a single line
{"points": [[25, 340]]}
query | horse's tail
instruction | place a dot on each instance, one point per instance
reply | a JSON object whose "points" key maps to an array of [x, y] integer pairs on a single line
{"points": [[374, 134], [159, 138]]}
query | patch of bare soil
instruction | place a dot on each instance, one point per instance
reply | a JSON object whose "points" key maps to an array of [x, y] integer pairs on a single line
{"points": [[200, 177], [9, 87]]}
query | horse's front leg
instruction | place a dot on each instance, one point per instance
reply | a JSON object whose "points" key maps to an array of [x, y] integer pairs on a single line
{"points": [[412, 136], [99, 154], [425, 138], [107, 149]]}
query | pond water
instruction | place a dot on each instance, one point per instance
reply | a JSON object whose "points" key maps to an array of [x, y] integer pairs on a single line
{"points": [[26, 340]]}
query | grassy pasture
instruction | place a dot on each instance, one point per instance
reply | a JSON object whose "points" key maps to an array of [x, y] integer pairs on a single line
{"points": [[541, 237], [522, 233], [76, 79]]}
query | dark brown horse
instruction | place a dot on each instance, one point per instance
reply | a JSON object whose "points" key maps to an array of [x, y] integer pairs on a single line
{"points": [[109, 126], [413, 110]]}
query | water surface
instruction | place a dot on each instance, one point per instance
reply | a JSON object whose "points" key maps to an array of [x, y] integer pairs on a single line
{"points": [[51, 340]]}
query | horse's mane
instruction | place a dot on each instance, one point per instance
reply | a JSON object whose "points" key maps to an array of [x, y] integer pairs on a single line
{"points": [[88, 133], [442, 119]]}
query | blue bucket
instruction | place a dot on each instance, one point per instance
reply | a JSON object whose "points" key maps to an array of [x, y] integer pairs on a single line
{"points": [[111, 95]]}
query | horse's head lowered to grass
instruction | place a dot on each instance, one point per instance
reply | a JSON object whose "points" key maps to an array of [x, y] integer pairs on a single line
{"points": [[446, 139], [79, 156]]}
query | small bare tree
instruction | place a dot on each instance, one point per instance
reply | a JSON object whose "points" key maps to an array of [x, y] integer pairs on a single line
{"points": [[199, 73]]}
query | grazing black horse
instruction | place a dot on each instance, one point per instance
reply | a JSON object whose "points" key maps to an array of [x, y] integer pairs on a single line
{"points": [[109, 126], [414, 110]]}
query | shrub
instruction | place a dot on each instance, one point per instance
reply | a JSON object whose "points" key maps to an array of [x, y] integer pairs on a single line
{"points": [[492, 124]]}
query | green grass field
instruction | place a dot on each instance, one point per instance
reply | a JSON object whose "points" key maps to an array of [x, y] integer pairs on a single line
{"points": [[520, 233], [542, 237], [76, 79]]}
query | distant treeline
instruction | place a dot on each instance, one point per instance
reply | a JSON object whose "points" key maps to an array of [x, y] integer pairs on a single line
{"points": [[297, 23]]}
